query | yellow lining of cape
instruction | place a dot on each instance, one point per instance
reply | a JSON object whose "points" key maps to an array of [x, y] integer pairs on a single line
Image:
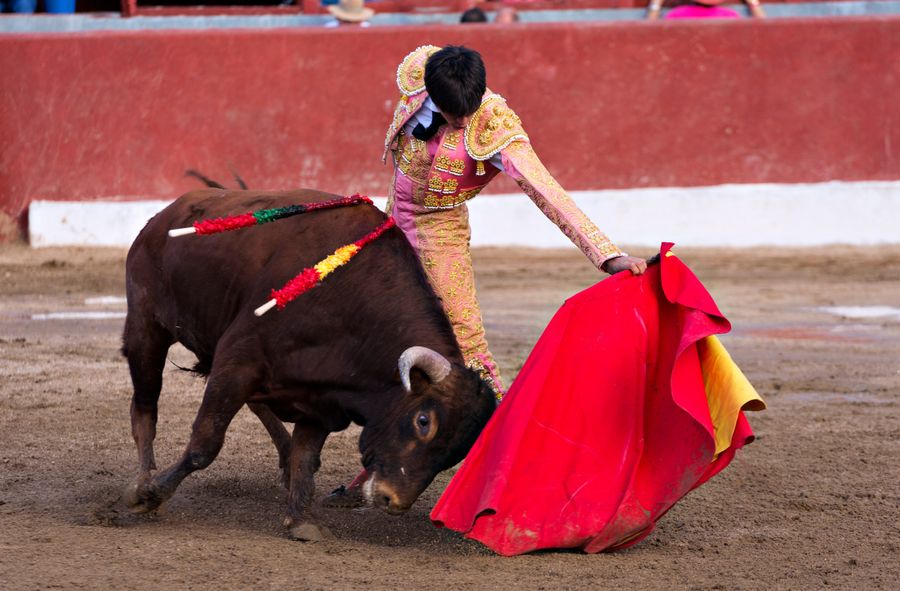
{"points": [[728, 391]]}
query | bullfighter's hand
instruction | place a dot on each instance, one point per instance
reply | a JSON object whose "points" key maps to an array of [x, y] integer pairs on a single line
{"points": [[625, 263]]}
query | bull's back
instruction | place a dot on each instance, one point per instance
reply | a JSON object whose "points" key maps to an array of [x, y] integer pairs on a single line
{"points": [[198, 287]]}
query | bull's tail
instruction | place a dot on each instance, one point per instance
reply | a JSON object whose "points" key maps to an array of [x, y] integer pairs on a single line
{"points": [[203, 179], [237, 178], [202, 367], [215, 184]]}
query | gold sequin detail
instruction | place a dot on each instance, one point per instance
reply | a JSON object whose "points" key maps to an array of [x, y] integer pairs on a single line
{"points": [[442, 163], [468, 194], [478, 366], [406, 106], [493, 127], [414, 160], [451, 140], [442, 242], [411, 71], [432, 201]]}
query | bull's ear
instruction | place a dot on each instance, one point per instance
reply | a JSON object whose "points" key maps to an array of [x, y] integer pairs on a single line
{"points": [[434, 365], [418, 381]]}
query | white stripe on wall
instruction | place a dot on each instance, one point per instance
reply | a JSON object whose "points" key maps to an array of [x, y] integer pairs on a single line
{"points": [[88, 223], [728, 215]]}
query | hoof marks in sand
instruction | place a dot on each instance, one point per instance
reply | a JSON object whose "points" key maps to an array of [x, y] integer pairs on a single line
{"points": [[308, 532]]}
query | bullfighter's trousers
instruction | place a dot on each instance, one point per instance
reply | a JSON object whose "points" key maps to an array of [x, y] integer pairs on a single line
{"points": [[441, 239]]}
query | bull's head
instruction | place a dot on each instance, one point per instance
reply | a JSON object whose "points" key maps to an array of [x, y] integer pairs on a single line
{"points": [[433, 426]]}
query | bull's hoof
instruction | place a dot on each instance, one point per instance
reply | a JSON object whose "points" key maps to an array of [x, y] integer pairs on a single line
{"points": [[309, 532], [344, 498], [141, 497]]}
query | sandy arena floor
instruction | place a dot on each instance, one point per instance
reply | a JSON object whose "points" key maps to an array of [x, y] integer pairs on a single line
{"points": [[814, 502]]}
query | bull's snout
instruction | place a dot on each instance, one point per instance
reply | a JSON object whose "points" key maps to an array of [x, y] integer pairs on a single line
{"points": [[382, 495]]}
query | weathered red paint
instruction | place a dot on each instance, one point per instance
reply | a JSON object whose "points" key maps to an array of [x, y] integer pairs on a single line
{"points": [[607, 105]]}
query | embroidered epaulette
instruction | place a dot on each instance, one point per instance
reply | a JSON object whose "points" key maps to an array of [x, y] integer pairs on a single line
{"points": [[493, 127], [411, 71]]}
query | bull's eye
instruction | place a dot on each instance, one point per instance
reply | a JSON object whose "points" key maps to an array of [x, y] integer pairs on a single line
{"points": [[425, 425]]}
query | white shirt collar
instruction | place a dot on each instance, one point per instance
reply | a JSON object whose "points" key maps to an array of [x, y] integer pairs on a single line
{"points": [[423, 116]]}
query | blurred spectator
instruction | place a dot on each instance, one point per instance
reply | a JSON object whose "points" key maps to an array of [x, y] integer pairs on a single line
{"points": [[506, 15], [350, 12], [756, 8], [702, 9], [19, 6], [473, 15]]}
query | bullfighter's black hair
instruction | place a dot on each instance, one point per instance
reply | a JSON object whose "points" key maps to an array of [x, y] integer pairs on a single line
{"points": [[455, 78]]}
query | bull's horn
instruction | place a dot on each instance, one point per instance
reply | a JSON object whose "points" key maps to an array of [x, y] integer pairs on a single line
{"points": [[435, 365]]}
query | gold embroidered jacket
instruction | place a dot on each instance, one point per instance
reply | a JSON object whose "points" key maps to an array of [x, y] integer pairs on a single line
{"points": [[450, 172]]}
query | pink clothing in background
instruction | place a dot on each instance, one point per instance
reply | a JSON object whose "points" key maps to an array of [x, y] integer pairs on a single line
{"points": [[694, 11]]}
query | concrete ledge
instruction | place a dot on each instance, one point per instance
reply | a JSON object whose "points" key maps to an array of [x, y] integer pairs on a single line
{"points": [[88, 223], [863, 213]]}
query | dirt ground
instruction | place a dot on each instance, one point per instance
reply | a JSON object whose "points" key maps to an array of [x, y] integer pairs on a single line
{"points": [[814, 502]]}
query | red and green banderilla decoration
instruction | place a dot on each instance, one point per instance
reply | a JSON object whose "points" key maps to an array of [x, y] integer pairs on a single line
{"points": [[309, 277], [264, 216]]}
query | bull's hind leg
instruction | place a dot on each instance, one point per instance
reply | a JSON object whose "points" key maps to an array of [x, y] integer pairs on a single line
{"points": [[226, 392], [145, 345], [306, 448], [280, 437]]}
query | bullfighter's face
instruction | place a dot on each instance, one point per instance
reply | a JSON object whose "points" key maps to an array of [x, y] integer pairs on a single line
{"points": [[456, 121], [433, 429]]}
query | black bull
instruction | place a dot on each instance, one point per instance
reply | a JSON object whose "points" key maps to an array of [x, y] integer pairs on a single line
{"points": [[342, 352]]}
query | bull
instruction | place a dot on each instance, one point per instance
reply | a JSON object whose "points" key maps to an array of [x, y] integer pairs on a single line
{"points": [[371, 345]]}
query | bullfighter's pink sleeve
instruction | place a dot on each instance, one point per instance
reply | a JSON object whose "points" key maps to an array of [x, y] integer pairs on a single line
{"points": [[522, 164]]}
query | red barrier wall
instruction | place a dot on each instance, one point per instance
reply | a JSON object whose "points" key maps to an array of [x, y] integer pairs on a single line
{"points": [[607, 105]]}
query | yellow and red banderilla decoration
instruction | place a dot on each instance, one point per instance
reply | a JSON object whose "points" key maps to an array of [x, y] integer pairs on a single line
{"points": [[309, 277], [312, 276]]}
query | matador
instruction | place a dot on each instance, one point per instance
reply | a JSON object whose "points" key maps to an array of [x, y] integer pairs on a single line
{"points": [[450, 135]]}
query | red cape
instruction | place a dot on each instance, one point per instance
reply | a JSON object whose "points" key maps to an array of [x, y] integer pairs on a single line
{"points": [[608, 423]]}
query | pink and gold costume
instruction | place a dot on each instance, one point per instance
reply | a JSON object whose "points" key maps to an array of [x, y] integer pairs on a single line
{"points": [[432, 181]]}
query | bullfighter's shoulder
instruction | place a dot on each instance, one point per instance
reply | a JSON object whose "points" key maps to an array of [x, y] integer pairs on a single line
{"points": [[493, 127], [411, 71]]}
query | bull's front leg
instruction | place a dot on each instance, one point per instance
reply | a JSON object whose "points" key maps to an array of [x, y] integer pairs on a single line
{"points": [[226, 392], [306, 449]]}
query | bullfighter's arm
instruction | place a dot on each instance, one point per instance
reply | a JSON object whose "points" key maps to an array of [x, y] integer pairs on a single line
{"points": [[522, 164]]}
